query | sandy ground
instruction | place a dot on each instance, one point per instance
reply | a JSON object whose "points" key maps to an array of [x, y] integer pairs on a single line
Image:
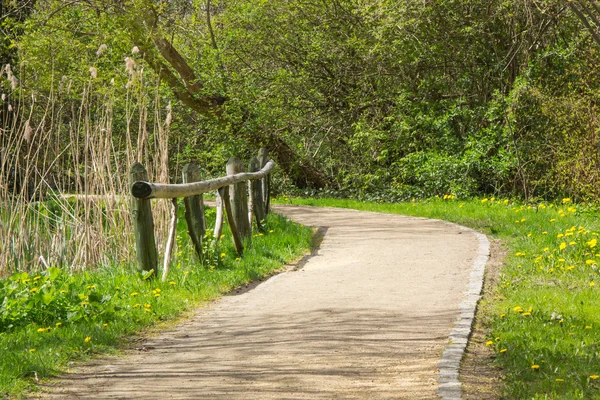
{"points": [[366, 317]]}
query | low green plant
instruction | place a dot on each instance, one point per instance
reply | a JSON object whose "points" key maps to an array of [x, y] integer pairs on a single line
{"points": [[51, 317], [542, 318]]}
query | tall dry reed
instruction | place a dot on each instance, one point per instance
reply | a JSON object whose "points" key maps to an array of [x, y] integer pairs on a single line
{"points": [[64, 164]]}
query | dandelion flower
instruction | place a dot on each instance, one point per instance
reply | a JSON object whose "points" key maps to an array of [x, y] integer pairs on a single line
{"points": [[172, 283], [535, 367], [58, 324], [594, 376], [592, 284], [559, 380], [562, 246], [489, 343], [32, 350], [87, 339], [502, 351]]}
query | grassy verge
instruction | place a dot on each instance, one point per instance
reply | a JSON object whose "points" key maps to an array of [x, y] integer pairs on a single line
{"points": [[544, 320], [51, 317]]}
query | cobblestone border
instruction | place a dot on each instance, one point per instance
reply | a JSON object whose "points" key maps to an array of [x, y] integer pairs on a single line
{"points": [[449, 365]]}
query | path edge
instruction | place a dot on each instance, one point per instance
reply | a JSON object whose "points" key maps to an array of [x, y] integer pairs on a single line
{"points": [[450, 388]]}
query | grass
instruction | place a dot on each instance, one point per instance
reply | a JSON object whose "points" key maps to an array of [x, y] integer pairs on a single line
{"points": [[543, 318], [51, 317]]}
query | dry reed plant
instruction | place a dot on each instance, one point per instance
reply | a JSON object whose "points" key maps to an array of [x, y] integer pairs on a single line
{"points": [[64, 195]]}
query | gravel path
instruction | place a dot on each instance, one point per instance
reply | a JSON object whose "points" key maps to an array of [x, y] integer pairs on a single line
{"points": [[366, 317]]}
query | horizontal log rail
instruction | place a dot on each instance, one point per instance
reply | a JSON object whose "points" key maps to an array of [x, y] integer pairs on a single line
{"points": [[151, 190]]}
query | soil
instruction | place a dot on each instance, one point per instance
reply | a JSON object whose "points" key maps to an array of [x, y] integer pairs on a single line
{"points": [[480, 378], [365, 317]]}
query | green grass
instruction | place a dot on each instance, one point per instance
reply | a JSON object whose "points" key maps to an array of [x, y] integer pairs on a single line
{"points": [[51, 317], [544, 316]]}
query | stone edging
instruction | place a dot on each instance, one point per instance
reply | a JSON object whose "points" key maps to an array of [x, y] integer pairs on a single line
{"points": [[449, 365]]}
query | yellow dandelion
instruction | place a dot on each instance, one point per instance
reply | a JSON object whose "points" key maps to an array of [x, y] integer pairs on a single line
{"points": [[33, 290], [271, 231], [592, 284], [518, 309], [105, 325], [588, 327], [172, 283], [535, 367], [32, 350], [134, 294], [525, 314], [36, 278], [594, 376], [502, 351], [58, 324], [489, 343], [559, 380], [562, 246], [87, 339]]}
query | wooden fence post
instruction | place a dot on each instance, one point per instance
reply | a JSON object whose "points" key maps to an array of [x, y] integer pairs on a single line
{"points": [[237, 238], [145, 243], [194, 209], [219, 218], [263, 158], [238, 197], [256, 194]]}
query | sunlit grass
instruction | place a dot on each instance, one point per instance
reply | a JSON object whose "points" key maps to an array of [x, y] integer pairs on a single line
{"points": [[544, 319]]}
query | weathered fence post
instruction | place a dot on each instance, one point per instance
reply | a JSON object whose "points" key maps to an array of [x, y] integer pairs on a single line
{"points": [[145, 243], [256, 194], [194, 209], [219, 217], [237, 238], [238, 198], [170, 239], [263, 158]]}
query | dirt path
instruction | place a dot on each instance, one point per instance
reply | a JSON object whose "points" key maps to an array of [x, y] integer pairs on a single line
{"points": [[367, 317]]}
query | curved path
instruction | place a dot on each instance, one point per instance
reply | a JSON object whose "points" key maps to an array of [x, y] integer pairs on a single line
{"points": [[366, 317]]}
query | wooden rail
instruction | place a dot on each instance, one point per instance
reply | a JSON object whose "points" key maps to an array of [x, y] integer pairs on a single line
{"points": [[233, 195], [150, 190]]}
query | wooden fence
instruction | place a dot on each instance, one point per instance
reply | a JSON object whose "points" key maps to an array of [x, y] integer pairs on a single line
{"points": [[242, 201]]}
